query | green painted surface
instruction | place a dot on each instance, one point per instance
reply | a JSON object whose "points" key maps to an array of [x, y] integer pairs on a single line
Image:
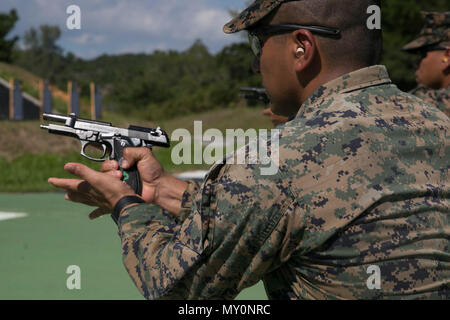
{"points": [[35, 252]]}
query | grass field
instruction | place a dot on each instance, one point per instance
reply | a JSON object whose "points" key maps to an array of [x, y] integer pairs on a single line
{"points": [[37, 249]]}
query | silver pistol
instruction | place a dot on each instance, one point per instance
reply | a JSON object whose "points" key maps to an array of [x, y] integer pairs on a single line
{"points": [[109, 139]]}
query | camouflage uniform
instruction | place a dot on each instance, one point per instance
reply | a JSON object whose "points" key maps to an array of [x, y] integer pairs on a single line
{"points": [[362, 181], [439, 98], [436, 31]]}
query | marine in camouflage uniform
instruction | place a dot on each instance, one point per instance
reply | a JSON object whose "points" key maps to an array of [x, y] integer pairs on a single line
{"points": [[439, 98], [362, 182], [435, 35]]}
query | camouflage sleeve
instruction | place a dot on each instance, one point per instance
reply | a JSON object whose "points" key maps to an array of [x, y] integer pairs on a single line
{"points": [[439, 98], [231, 233]]}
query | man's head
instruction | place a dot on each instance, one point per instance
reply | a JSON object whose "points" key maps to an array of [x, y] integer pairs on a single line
{"points": [[293, 63], [433, 47]]}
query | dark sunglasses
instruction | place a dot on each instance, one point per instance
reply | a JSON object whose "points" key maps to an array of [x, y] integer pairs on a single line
{"points": [[256, 44]]}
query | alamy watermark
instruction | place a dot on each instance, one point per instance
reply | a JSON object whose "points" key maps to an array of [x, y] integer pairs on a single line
{"points": [[374, 280], [74, 280], [374, 21], [208, 147], [74, 20]]}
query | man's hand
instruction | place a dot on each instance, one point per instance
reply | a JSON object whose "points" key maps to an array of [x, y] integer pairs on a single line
{"points": [[148, 167], [103, 190], [157, 186], [276, 119]]}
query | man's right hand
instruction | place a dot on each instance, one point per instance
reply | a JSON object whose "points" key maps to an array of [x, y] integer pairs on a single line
{"points": [[158, 187], [148, 167]]}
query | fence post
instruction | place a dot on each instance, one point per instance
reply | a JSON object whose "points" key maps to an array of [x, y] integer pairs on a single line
{"points": [[74, 98], [46, 97], [15, 100], [11, 99], [96, 101]]}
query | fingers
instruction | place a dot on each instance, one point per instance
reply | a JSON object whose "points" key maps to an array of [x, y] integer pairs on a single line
{"points": [[68, 184], [115, 173], [134, 155], [81, 198], [98, 212], [110, 165], [83, 172], [267, 112]]}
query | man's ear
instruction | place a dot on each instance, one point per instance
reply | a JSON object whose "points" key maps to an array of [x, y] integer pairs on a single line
{"points": [[446, 61], [304, 49]]}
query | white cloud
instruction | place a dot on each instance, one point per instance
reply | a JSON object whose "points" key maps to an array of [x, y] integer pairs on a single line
{"points": [[111, 26], [86, 39]]}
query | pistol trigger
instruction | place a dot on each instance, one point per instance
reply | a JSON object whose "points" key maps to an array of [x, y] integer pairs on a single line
{"points": [[105, 149]]}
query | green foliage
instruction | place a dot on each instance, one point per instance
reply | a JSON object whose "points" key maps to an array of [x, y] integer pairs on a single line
{"points": [[44, 40], [44, 57], [7, 22], [171, 84], [30, 172]]}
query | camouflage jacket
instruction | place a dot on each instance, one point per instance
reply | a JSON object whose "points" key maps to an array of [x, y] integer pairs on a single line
{"points": [[439, 98], [359, 208]]}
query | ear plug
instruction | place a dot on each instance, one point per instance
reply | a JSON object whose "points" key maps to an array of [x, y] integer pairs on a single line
{"points": [[300, 51]]}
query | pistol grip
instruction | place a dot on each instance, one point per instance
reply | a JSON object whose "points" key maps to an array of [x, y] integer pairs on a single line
{"points": [[130, 176]]}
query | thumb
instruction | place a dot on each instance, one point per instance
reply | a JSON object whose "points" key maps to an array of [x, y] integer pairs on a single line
{"points": [[131, 156]]}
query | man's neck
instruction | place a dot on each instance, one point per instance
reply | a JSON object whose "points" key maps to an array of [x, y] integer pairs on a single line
{"points": [[446, 82]]}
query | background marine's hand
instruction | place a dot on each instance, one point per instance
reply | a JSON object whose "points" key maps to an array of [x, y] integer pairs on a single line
{"points": [[276, 119]]}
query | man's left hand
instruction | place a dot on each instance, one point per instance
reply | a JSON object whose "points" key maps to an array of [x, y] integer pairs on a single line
{"points": [[102, 190]]}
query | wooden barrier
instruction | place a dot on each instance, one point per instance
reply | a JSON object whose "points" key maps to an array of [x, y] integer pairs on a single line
{"points": [[18, 105], [15, 100], [74, 98], [46, 97], [96, 102]]}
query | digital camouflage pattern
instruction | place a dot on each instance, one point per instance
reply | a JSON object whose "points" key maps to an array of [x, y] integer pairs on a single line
{"points": [[363, 180], [439, 98], [435, 31], [254, 13]]}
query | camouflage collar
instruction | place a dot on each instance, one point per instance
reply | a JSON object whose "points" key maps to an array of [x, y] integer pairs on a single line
{"points": [[356, 80]]}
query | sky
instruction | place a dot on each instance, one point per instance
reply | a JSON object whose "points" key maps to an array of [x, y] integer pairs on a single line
{"points": [[129, 26]]}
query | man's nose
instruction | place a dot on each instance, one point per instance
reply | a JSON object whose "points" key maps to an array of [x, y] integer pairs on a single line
{"points": [[255, 65]]}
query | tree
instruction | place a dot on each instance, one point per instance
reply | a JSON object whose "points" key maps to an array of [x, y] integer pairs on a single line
{"points": [[7, 22], [44, 40]]}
